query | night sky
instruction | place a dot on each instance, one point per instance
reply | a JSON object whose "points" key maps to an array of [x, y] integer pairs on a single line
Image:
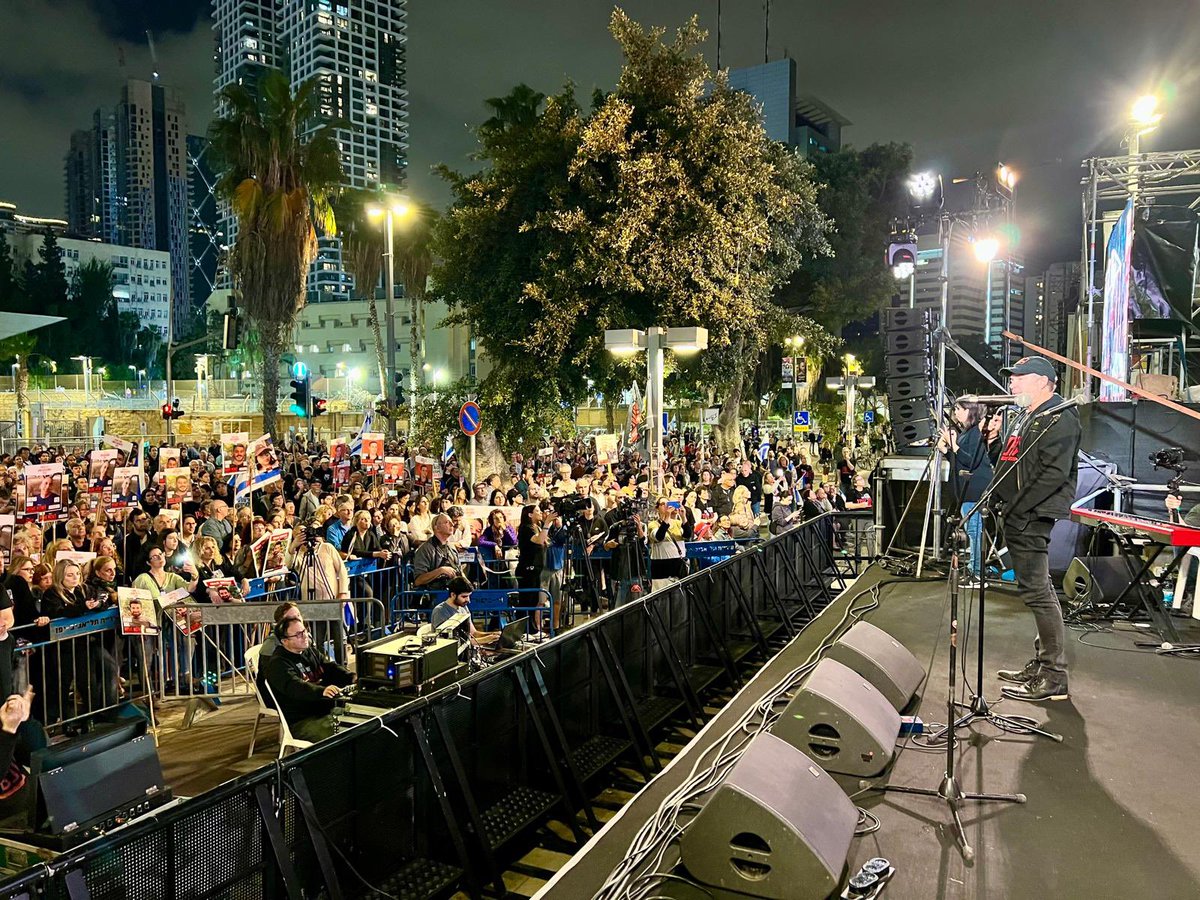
{"points": [[1039, 85]]}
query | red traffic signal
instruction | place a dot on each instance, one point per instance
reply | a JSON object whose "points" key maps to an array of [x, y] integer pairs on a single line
{"points": [[319, 406], [167, 409]]}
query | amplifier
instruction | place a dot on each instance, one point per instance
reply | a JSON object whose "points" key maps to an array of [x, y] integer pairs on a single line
{"points": [[402, 662], [114, 820]]}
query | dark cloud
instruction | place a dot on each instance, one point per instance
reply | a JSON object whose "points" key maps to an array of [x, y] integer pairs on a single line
{"points": [[1040, 85]]}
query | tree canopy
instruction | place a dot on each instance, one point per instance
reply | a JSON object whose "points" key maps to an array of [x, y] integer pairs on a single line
{"points": [[664, 204]]}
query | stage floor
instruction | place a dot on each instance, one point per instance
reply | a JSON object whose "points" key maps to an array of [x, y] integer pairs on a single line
{"points": [[1111, 811]]}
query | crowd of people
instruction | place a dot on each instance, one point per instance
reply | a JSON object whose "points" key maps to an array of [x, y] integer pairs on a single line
{"points": [[532, 515]]}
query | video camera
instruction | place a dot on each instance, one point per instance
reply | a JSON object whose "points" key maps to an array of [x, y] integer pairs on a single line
{"points": [[1169, 458], [570, 505]]}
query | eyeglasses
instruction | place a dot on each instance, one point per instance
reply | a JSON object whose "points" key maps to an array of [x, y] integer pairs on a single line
{"points": [[295, 634]]}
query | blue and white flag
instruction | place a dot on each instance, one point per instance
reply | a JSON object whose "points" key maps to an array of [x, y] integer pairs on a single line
{"points": [[763, 449], [240, 482], [357, 442], [448, 452]]}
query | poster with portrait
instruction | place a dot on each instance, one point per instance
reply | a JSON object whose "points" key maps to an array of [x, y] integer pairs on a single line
{"points": [[393, 469], [423, 469], [8, 526], [234, 451], [341, 474], [137, 611], [178, 485], [271, 559], [339, 451], [126, 488], [101, 471], [168, 458], [264, 462], [606, 448], [128, 453], [372, 449], [223, 590], [44, 486]]}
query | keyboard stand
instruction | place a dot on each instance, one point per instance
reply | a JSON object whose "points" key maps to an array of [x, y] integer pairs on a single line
{"points": [[1160, 619]]}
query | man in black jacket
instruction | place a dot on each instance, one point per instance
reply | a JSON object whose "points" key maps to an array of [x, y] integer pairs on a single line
{"points": [[304, 681], [1034, 480]]}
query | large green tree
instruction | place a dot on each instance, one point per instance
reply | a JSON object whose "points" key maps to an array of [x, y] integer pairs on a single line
{"points": [[279, 165], [665, 204]]}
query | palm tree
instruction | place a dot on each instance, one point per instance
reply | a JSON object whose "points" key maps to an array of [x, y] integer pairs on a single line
{"points": [[363, 242], [414, 262], [280, 163]]}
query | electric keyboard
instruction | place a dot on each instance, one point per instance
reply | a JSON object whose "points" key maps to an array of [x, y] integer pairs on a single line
{"points": [[1157, 530]]}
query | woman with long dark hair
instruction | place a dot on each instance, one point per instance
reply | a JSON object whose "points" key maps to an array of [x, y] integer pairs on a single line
{"points": [[971, 471]]}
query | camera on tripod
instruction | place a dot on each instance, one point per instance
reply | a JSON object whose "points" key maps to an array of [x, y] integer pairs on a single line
{"points": [[569, 506]]}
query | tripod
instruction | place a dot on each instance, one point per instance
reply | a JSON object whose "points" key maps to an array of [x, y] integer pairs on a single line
{"points": [[949, 788]]}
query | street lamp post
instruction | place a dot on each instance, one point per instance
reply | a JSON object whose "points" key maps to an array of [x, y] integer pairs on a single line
{"points": [[388, 212], [795, 345], [654, 341], [87, 377]]}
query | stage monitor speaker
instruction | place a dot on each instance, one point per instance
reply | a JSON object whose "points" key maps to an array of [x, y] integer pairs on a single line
{"points": [[882, 660], [907, 388], [1098, 579], [907, 365], [842, 721], [777, 827]]}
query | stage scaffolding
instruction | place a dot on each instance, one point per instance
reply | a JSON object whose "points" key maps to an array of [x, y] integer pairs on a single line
{"points": [[1149, 179]]}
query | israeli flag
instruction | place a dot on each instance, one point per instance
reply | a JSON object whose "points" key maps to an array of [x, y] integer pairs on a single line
{"points": [[448, 452], [356, 442], [349, 619], [240, 482], [763, 449]]}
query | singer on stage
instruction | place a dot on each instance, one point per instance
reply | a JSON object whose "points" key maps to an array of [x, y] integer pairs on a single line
{"points": [[1034, 481]]}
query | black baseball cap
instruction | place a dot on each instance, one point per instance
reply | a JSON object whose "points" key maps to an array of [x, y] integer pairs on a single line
{"points": [[1031, 365]]}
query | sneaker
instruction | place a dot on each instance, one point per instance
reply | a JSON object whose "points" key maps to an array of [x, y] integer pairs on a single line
{"points": [[1040, 688], [1021, 676]]}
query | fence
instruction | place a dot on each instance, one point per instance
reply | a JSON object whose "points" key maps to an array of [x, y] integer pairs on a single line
{"points": [[431, 797]]}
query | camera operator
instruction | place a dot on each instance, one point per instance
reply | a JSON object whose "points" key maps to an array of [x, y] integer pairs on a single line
{"points": [[624, 538], [319, 567], [667, 553], [534, 536], [1174, 502]]}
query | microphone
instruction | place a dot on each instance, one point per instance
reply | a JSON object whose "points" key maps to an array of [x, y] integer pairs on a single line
{"points": [[995, 399]]}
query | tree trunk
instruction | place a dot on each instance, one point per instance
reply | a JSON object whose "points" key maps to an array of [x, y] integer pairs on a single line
{"points": [[727, 431], [489, 458], [271, 344], [610, 415], [380, 357], [23, 418]]}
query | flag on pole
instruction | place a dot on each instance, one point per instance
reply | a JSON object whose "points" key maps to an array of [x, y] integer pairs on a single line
{"points": [[448, 452], [357, 441]]}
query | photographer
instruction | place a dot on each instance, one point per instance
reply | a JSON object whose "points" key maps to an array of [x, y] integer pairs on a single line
{"points": [[625, 537], [667, 553], [533, 539], [318, 566]]}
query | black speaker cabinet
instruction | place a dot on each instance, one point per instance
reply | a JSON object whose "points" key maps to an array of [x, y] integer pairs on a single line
{"points": [[906, 318], [909, 433], [905, 365], [1099, 579], [901, 411], [841, 720], [908, 342], [777, 827], [882, 660], [907, 388]]}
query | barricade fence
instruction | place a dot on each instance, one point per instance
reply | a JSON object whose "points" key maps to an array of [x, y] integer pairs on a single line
{"points": [[430, 797]]}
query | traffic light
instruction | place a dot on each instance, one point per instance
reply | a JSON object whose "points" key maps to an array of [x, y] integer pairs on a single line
{"points": [[300, 396], [319, 405], [902, 256], [176, 409], [400, 377], [231, 331], [166, 411]]}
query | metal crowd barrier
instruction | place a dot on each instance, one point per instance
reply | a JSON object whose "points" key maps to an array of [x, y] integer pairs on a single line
{"points": [[86, 668], [436, 796]]}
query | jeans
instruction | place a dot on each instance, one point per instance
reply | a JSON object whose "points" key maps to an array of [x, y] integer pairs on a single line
{"points": [[1028, 545], [974, 529]]}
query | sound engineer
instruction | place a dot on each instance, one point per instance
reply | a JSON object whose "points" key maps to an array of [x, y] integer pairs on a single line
{"points": [[460, 589], [304, 681]]}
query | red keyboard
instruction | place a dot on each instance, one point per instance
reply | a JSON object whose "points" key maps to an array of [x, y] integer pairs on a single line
{"points": [[1155, 529]]}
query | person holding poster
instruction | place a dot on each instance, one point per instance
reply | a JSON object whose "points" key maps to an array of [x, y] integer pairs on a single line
{"points": [[265, 467], [393, 469], [372, 447], [103, 467], [339, 451], [179, 486]]}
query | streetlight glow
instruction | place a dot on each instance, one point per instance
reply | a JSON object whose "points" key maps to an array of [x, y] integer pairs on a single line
{"points": [[922, 185], [986, 249], [903, 270], [1007, 176], [1144, 112]]}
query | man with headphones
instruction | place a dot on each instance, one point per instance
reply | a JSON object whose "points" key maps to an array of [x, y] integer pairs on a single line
{"points": [[304, 681]]}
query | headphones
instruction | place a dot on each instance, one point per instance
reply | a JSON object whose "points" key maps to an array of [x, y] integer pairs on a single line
{"points": [[282, 626]]}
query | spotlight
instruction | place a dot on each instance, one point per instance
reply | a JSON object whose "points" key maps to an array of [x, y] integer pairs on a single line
{"points": [[922, 185]]}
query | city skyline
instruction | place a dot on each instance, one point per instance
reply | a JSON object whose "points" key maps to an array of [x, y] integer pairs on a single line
{"points": [[1060, 96]]}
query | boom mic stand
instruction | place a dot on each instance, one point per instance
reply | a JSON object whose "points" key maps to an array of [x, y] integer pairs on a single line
{"points": [[949, 788]]}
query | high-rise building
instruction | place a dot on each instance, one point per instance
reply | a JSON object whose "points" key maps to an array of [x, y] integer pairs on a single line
{"points": [[799, 120], [126, 181], [1051, 298], [355, 49], [204, 237]]}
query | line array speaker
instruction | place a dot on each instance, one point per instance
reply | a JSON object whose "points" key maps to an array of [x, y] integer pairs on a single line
{"points": [[777, 827]]}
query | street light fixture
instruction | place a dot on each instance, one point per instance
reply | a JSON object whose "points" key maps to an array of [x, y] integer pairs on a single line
{"points": [[922, 185], [654, 340], [388, 211], [986, 249], [1144, 113]]}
